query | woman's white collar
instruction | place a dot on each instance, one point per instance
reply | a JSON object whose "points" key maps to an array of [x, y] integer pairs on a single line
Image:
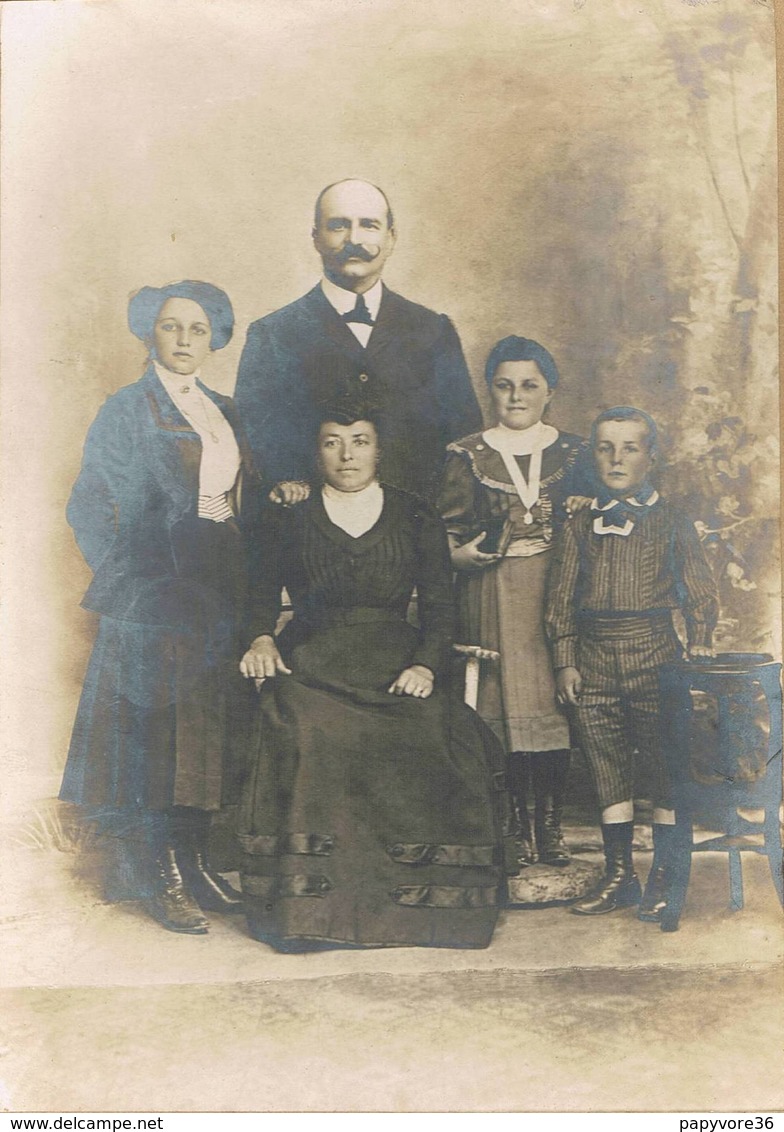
{"points": [[353, 498]]}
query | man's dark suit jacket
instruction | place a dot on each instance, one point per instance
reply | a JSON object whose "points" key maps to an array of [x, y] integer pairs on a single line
{"points": [[412, 370]]}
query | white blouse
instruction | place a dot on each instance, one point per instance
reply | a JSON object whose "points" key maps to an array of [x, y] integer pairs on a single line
{"points": [[220, 454]]}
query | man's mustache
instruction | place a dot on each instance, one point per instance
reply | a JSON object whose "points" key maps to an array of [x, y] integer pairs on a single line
{"points": [[356, 251]]}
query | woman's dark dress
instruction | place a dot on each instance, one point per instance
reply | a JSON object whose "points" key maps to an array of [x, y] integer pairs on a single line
{"points": [[369, 818]]}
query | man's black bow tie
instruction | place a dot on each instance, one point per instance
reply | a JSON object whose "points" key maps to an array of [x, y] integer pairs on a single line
{"points": [[359, 313]]}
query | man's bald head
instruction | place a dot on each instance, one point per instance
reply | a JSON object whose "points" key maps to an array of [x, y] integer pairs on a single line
{"points": [[360, 186]]}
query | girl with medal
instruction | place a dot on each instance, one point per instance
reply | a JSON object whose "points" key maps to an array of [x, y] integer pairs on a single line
{"points": [[504, 492]]}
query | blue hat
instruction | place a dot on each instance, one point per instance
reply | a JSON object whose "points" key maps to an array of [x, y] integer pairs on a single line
{"points": [[144, 307]]}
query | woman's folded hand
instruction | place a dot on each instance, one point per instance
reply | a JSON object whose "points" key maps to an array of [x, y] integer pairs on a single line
{"points": [[262, 661], [414, 681]]}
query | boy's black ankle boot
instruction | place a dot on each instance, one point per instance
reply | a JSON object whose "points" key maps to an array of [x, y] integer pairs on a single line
{"points": [[654, 899], [619, 888]]}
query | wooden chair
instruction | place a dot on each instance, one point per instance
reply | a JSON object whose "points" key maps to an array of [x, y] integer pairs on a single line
{"points": [[474, 656], [737, 770]]}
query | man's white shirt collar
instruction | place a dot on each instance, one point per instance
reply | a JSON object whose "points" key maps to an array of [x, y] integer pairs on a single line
{"points": [[344, 301]]}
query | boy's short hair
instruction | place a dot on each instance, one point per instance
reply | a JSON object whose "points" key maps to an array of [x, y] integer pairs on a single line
{"points": [[628, 413]]}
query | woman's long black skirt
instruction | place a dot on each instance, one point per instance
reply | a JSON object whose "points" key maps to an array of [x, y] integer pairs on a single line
{"points": [[370, 819]]}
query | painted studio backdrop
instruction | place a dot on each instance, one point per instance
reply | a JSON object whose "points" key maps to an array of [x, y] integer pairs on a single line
{"points": [[595, 174]]}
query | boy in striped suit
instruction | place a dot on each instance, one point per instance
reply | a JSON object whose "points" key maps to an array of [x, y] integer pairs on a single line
{"points": [[621, 567]]}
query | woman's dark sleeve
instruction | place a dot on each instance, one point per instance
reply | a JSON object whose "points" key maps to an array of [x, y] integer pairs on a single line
{"points": [[268, 550], [456, 500], [97, 503], [435, 597]]}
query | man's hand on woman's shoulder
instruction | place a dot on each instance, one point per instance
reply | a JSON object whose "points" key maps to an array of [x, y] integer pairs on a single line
{"points": [[289, 492]]}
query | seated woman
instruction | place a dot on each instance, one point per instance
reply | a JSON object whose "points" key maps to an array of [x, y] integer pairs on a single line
{"points": [[373, 814], [156, 512]]}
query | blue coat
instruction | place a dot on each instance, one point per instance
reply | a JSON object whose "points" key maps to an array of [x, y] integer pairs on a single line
{"points": [[412, 369], [134, 502], [160, 692]]}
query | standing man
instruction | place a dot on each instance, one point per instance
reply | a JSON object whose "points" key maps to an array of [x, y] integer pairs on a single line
{"points": [[350, 335]]}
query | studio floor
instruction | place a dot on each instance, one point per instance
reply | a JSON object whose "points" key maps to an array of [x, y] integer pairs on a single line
{"points": [[104, 1011]]}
